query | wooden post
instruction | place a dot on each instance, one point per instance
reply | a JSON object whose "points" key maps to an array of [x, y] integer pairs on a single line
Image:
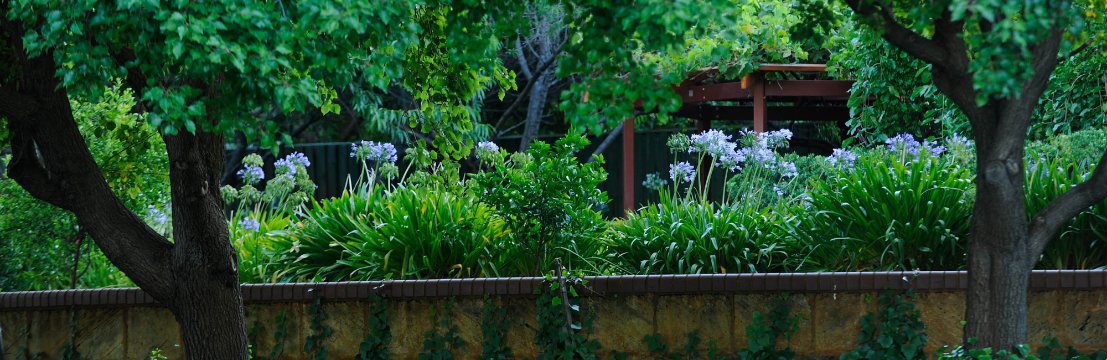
{"points": [[628, 166], [758, 85]]}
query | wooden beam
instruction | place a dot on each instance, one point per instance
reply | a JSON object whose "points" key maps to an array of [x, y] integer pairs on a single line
{"points": [[778, 113], [628, 166], [808, 88], [836, 89]]}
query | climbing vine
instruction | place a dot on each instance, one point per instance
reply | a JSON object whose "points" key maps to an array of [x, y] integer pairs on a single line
{"points": [[375, 345]]}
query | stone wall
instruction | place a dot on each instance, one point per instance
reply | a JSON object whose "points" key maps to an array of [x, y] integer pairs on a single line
{"points": [[828, 327]]}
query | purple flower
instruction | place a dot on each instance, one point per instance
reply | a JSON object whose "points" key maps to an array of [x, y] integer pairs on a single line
{"points": [[682, 171], [373, 151], [788, 169], [842, 157], [904, 142], [285, 167], [488, 146], [249, 223], [933, 148], [251, 174], [298, 158], [958, 141], [486, 149], [713, 142], [732, 160]]}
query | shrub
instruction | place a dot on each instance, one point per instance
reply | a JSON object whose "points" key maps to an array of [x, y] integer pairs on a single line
{"points": [[550, 202], [427, 232], [686, 237], [1079, 244], [252, 234], [893, 210], [312, 247], [686, 233]]}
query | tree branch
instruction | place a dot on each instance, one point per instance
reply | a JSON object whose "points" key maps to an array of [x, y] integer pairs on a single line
{"points": [[909, 41], [523, 59], [530, 83], [607, 141], [1062, 209]]}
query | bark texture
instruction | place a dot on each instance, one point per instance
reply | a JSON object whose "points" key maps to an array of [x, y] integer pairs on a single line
{"points": [[195, 276]]}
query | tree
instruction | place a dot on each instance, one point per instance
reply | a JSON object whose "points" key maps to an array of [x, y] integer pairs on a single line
{"points": [[199, 71], [202, 71], [994, 59]]}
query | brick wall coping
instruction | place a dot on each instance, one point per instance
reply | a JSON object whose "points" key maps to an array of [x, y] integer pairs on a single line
{"points": [[1040, 280]]}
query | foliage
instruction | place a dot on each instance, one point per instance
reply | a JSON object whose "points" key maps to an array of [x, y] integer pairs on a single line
{"points": [[440, 342], [375, 345], [1079, 243], [892, 91], [893, 332], [314, 346], [892, 210], [494, 326], [190, 63], [1050, 350], [426, 231], [656, 346], [764, 332], [680, 237], [561, 323], [685, 233], [660, 42], [36, 239], [550, 202], [254, 245], [310, 249]]}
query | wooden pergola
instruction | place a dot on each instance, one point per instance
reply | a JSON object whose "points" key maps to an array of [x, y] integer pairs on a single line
{"points": [[755, 97]]}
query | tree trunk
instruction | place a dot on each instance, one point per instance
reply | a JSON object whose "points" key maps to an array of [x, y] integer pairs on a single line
{"points": [[196, 275], [207, 300], [999, 249], [535, 108]]}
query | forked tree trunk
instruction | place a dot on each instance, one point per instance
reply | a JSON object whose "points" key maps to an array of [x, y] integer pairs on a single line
{"points": [[196, 275]]}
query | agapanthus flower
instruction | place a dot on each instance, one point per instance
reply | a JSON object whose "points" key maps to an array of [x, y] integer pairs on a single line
{"points": [[842, 157], [682, 172], [712, 142], [958, 141], [285, 167], [904, 142], [654, 182], [758, 155], [775, 139], [298, 158], [251, 174], [732, 160], [678, 143], [156, 215], [488, 146], [373, 151], [485, 149], [788, 169], [249, 223], [933, 148]]}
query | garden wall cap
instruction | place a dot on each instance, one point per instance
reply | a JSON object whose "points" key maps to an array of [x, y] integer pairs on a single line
{"points": [[832, 282]]}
